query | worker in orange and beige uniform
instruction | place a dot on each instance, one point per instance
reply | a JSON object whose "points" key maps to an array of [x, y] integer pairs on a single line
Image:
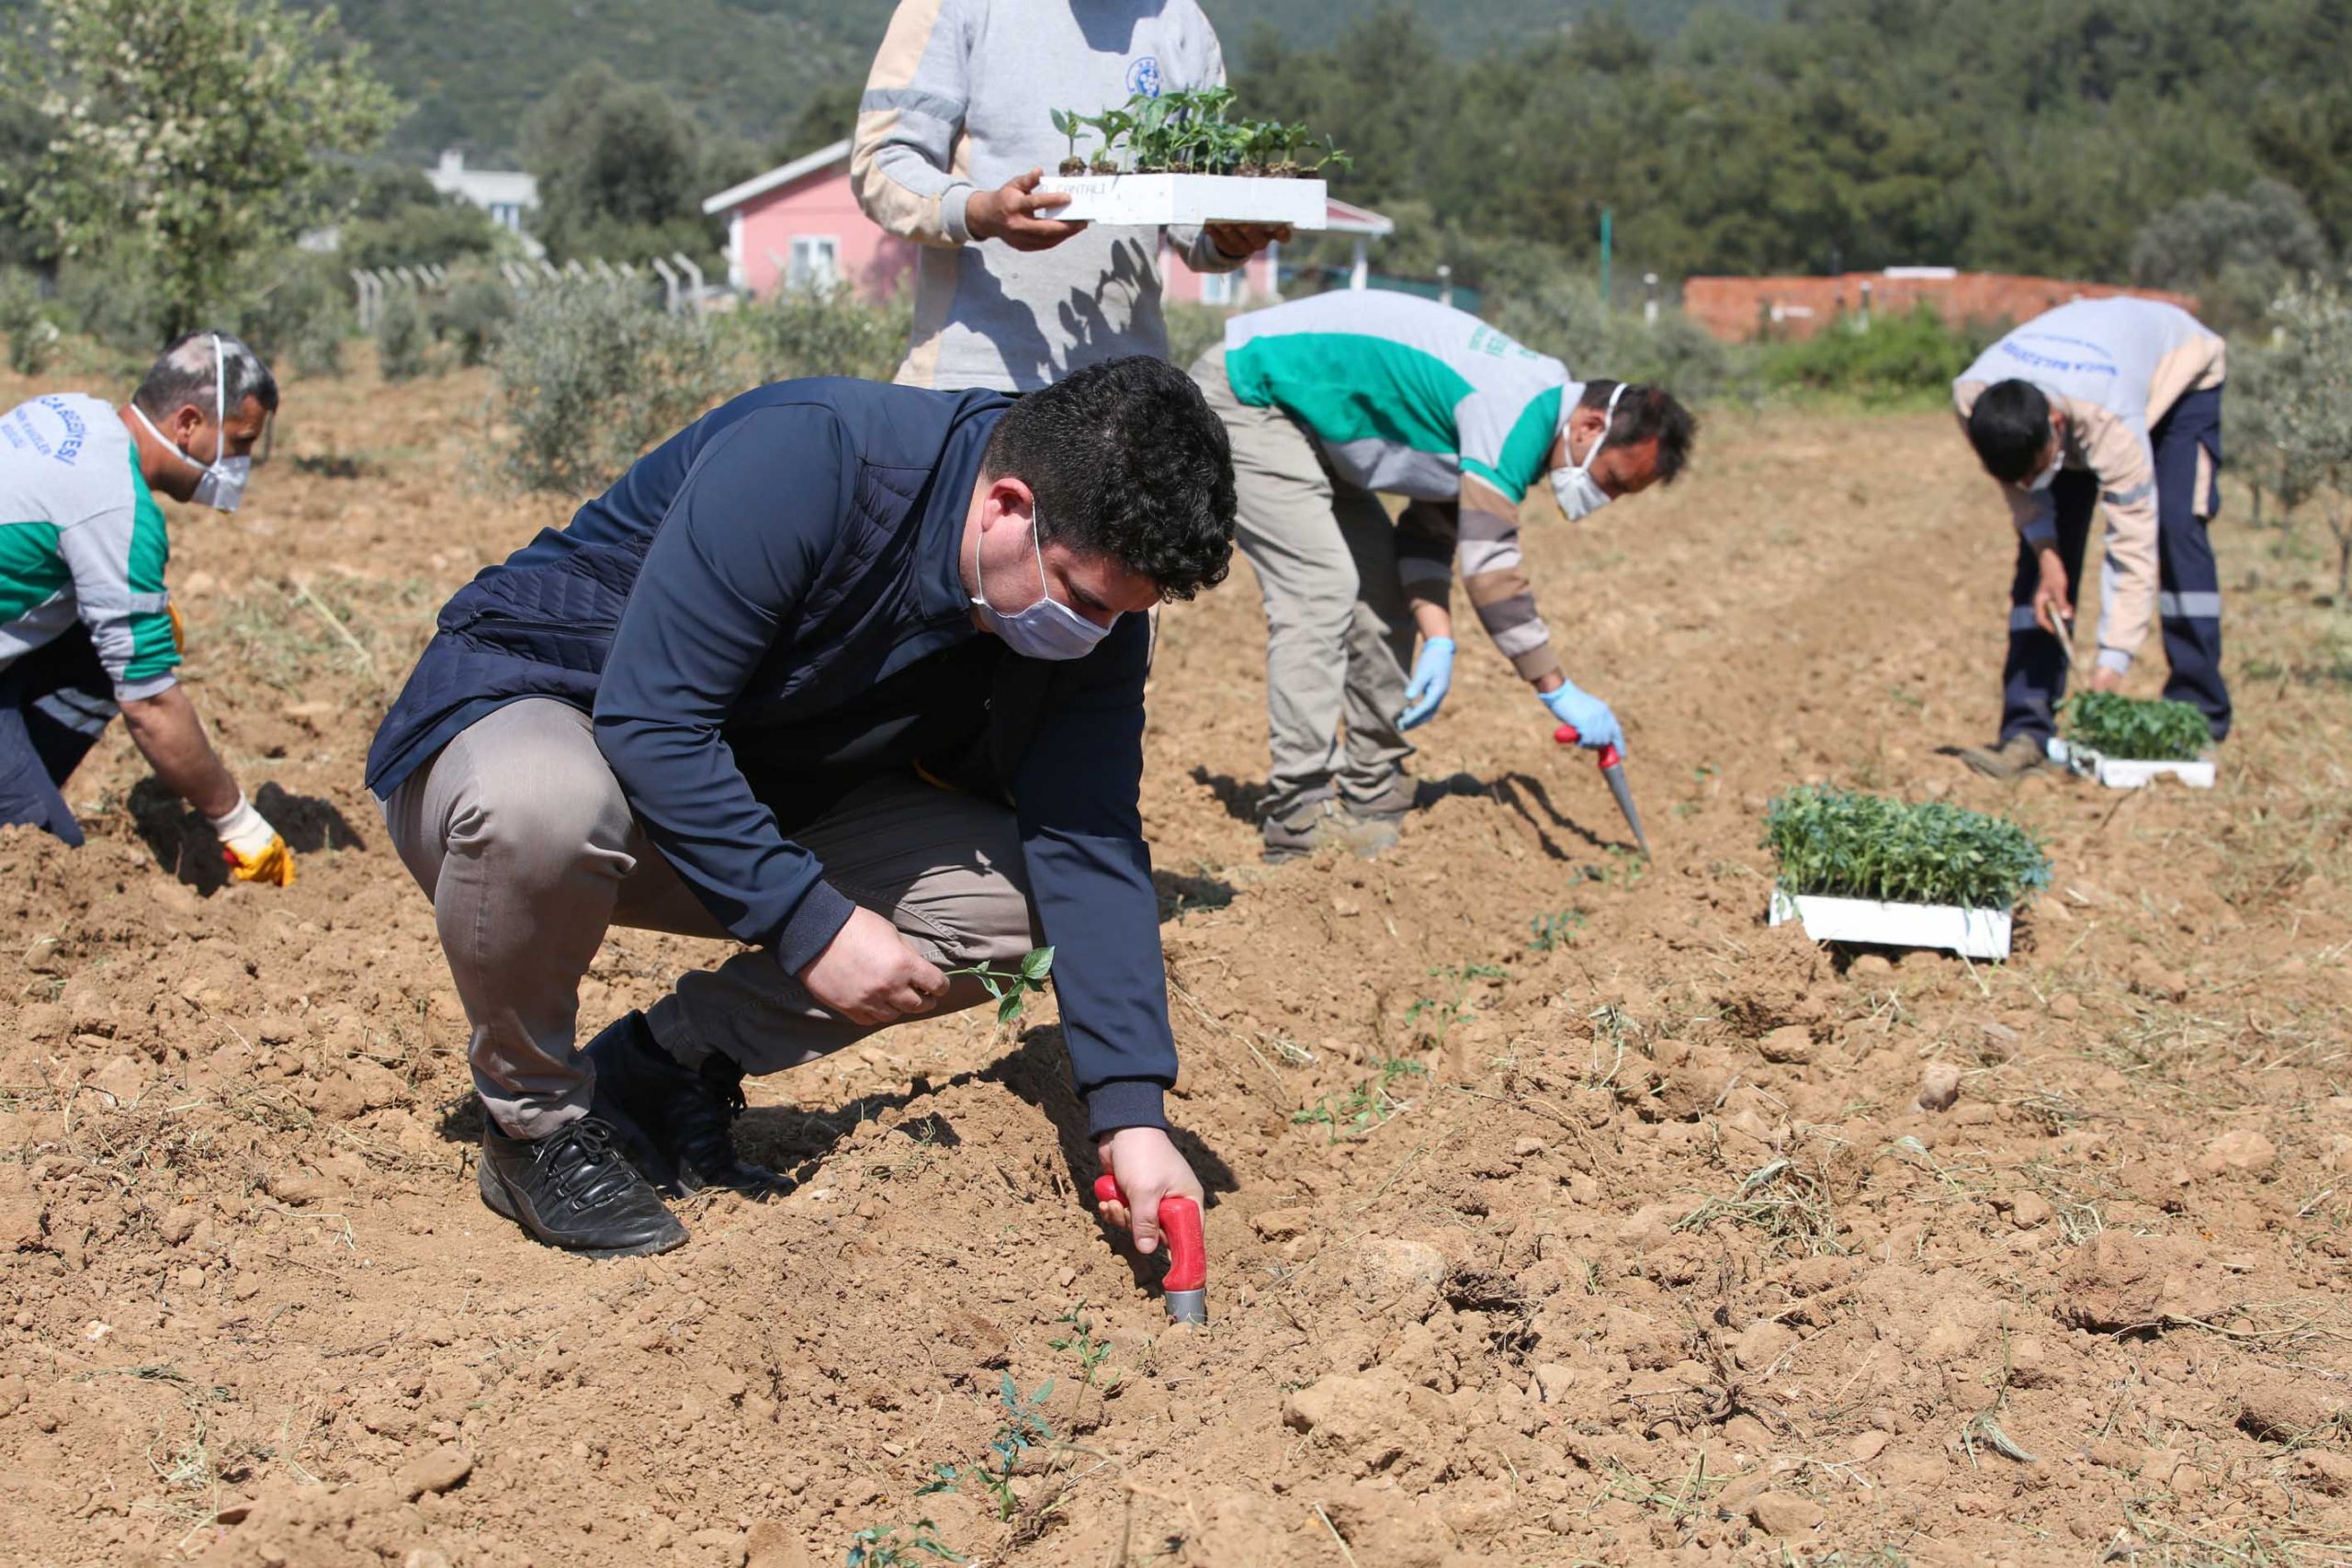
{"points": [[2103, 403]]}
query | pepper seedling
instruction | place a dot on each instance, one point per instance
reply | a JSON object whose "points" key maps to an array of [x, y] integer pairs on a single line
{"points": [[1011, 987]]}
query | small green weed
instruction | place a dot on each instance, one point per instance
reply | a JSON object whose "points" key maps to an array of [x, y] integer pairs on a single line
{"points": [[1842, 843], [2142, 729], [1011, 987]]}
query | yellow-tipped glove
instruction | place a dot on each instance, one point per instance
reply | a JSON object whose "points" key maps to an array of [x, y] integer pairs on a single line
{"points": [[252, 848]]}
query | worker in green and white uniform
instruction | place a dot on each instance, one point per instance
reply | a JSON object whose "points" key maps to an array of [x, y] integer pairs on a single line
{"points": [[86, 629], [1334, 399]]}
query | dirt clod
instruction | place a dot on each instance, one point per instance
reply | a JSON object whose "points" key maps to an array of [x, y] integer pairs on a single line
{"points": [[2120, 1282], [1785, 1514], [2241, 1151]]}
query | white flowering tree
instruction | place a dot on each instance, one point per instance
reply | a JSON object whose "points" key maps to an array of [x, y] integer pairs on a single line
{"points": [[191, 135], [2309, 378]]}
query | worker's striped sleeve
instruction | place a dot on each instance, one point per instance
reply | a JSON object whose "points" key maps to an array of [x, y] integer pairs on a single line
{"points": [[909, 159], [1425, 535], [1486, 547], [1495, 576]]}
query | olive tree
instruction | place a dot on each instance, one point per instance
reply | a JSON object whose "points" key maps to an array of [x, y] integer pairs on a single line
{"points": [[189, 135], [2308, 411]]}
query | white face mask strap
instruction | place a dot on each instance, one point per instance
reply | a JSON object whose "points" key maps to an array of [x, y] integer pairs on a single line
{"points": [[979, 572], [220, 398], [1607, 419]]}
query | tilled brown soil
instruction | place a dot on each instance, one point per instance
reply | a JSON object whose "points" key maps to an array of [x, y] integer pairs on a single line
{"points": [[1561, 1212]]}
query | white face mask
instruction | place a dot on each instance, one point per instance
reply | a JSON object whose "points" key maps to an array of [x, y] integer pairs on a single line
{"points": [[2057, 461], [224, 484], [1048, 629], [1573, 486]]}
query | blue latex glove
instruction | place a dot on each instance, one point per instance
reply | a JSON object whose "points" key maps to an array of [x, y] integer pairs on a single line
{"points": [[1432, 677], [1596, 725]]}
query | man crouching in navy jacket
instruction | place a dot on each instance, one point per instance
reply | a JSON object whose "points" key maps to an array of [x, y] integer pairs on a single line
{"points": [[853, 674]]}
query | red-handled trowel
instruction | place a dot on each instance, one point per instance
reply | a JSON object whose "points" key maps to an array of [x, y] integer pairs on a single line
{"points": [[1612, 768], [1186, 1287]]}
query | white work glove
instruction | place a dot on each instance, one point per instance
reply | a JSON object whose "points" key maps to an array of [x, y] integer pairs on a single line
{"points": [[251, 847]]}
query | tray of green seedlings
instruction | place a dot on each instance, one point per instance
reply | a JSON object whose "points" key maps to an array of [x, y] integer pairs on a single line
{"points": [[1177, 158], [1862, 868], [2129, 742]]}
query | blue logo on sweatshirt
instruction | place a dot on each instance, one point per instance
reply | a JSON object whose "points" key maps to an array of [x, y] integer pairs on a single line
{"points": [[1143, 76]]}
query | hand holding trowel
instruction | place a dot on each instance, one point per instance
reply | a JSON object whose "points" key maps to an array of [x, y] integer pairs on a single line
{"points": [[1613, 769]]}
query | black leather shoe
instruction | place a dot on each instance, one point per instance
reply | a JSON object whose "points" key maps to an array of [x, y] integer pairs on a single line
{"points": [[572, 1189], [683, 1116]]}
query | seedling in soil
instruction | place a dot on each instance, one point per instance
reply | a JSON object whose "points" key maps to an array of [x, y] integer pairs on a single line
{"points": [[1364, 1107], [1843, 845], [1011, 987], [1023, 1429], [1555, 931], [877, 1546], [2135, 728], [1625, 868], [1091, 1352]]}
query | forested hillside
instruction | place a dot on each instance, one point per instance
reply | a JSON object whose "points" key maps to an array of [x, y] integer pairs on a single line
{"points": [[2029, 134], [472, 68]]}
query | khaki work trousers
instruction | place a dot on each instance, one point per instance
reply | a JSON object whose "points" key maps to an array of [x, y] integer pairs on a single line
{"points": [[1339, 633], [520, 835]]}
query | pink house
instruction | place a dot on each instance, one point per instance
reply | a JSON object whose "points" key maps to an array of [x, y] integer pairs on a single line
{"points": [[798, 225]]}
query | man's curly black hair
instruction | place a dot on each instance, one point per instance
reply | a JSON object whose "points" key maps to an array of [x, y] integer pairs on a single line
{"points": [[1127, 460]]}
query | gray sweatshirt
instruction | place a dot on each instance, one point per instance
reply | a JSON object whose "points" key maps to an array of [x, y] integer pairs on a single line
{"points": [[960, 99]]}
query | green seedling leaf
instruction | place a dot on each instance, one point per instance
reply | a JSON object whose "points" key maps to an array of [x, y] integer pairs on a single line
{"points": [[2138, 729], [1848, 845], [1038, 965]]}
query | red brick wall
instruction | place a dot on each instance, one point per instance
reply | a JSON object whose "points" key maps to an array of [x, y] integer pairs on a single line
{"points": [[1738, 309]]}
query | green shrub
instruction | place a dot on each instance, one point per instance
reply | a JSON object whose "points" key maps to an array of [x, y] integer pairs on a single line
{"points": [[113, 301], [472, 315], [801, 333], [301, 316], [589, 375], [1892, 358], [1847, 844], [33, 338], [1565, 316], [2140, 728], [403, 340]]}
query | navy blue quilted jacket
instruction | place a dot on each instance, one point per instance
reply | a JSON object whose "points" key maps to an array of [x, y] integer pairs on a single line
{"points": [[764, 568]]}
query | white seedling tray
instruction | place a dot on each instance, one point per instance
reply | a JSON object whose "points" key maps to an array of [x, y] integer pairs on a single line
{"points": [[1157, 199], [2125, 772], [1972, 933]]}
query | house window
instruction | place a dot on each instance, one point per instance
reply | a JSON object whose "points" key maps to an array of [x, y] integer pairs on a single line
{"points": [[815, 263], [1223, 288]]}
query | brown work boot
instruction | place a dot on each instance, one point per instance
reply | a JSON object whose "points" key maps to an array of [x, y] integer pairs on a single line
{"points": [[1389, 806], [1324, 824], [2012, 758]]}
